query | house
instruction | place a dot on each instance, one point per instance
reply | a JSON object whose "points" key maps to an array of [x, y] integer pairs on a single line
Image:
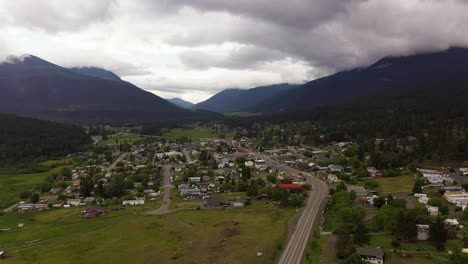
{"points": [[89, 200], [332, 178], [249, 163], [55, 190], [190, 194], [371, 255], [93, 212], [453, 189], [260, 165], [433, 210], [137, 201], [74, 202], [464, 171], [25, 207], [238, 203], [451, 223], [213, 201], [335, 168], [423, 232], [40, 206], [194, 179], [183, 186]]}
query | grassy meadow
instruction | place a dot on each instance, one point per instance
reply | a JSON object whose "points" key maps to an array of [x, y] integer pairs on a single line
{"points": [[130, 236]]}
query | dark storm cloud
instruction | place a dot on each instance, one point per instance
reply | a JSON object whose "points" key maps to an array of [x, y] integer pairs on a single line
{"points": [[333, 34]]}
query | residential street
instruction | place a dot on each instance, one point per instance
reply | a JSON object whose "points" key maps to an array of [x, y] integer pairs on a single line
{"points": [[164, 209]]}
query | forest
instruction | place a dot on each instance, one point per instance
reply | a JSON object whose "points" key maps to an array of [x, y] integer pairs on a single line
{"points": [[23, 139]]}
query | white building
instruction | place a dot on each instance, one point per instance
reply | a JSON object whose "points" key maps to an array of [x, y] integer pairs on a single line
{"points": [[433, 210], [137, 201]]}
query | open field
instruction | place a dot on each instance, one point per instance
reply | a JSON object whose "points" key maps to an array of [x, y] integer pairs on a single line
{"points": [[396, 184], [13, 184], [121, 138], [190, 133], [129, 236]]}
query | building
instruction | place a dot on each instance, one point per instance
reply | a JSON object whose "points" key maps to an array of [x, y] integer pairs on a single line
{"points": [[371, 255], [93, 212], [433, 210], [74, 202], [190, 194], [335, 168], [89, 200], [423, 232], [260, 165], [137, 201], [25, 207]]}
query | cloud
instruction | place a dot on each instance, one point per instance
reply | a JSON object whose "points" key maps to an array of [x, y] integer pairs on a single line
{"points": [[194, 48], [240, 58], [56, 15]]}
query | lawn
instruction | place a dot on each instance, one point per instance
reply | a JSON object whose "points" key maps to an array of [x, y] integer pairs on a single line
{"points": [[384, 242], [13, 184], [190, 133], [396, 184], [129, 236]]}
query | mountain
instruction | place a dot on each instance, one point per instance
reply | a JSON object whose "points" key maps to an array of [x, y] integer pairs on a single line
{"points": [[181, 103], [31, 86], [406, 80], [238, 100], [96, 72], [23, 138]]}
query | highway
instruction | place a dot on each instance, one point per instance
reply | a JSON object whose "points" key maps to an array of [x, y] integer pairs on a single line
{"points": [[295, 247]]}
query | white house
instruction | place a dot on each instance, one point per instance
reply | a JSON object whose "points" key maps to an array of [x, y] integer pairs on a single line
{"points": [[74, 202], [137, 201], [423, 232], [433, 210]]}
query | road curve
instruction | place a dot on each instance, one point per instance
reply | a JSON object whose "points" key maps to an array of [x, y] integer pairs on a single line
{"points": [[295, 247]]}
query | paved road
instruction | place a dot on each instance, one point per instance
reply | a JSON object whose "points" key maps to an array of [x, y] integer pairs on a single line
{"points": [[187, 156], [164, 209], [119, 159], [295, 247]]}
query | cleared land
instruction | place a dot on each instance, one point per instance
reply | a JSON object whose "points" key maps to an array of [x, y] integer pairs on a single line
{"points": [[14, 181], [190, 133], [128, 236], [396, 184]]}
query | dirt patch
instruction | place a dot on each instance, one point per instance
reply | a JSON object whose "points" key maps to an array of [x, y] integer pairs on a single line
{"points": [[229, 232]]}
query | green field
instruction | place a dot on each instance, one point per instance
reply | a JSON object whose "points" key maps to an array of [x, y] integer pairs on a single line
{"points": [[129, 236], [13, 184], [190, 133], [395, 184], [121, 138]]}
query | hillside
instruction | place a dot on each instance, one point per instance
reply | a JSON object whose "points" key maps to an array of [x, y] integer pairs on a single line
{"points": [[406, 81], [238, 100], [181, 103], [34, 87], [22, 138], [97, 72]]}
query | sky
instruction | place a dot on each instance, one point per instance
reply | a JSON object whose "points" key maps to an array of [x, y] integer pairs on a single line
{"points": [[193, 49]]}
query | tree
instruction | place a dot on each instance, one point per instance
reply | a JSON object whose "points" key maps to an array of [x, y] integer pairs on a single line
{"points": [[341, 187], [246, 173], [355, 259], [34, 198], [417, 187], [344, 245], [405, 228], [86, 186], [438, 234], [117, 186], [361, 234], [379, 202], [66, 172], [272, 178], [296, 200]]}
